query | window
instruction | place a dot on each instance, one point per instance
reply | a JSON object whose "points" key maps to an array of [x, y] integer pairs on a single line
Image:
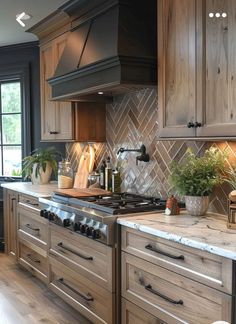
{"points": [[10, 126], [14, 118]]}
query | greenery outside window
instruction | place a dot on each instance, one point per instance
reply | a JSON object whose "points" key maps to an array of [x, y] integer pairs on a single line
{"points": [[15, 132], [10, 126]]}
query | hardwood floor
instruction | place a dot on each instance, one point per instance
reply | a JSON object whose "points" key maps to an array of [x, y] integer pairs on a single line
{"points": [[25, 300]]}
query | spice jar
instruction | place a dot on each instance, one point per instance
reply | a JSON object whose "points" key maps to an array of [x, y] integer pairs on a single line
{"points": [[65, 175]]}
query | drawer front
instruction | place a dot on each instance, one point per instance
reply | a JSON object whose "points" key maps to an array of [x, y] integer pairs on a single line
{"points": [[132, 314], [32, 227], [92, 259], [207, 268], [91, 300], [33, 258], [29, 202], [171, 297]]}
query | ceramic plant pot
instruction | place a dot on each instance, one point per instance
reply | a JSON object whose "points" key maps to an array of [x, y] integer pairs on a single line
{"points": [[42, 177], [197, 206]]}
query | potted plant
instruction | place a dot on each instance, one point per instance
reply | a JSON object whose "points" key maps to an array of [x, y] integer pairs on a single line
{"points": [[39, 165], [196, 177]]}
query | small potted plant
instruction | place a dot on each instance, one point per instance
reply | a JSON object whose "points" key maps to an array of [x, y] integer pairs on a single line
{"points": [[39, 165], [196, 177]]}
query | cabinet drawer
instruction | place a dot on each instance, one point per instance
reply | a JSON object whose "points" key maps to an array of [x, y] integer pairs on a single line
{"points": [[33, 259], [90, 258], [91, 300], [29, 201], [32, 227], [132, 314], [171, 297], [207, 268]]}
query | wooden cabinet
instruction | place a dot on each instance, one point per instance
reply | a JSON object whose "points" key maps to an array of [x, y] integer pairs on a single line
{"points": [[56, 117], [196, 68], [10, 199], [32, 234], [174, 283]]}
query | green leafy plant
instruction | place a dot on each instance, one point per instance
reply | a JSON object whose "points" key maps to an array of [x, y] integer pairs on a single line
{"points": [[231, 177], [41, 157], [197, 176]]}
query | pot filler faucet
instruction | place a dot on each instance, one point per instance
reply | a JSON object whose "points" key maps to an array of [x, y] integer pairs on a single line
{"points": [[144, 156]]}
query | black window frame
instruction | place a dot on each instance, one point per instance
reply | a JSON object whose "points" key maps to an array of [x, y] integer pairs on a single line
{"points": [[21, 73]]}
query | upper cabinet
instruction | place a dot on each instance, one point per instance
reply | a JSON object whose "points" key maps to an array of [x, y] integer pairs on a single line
{"points": [[56, 117], [61, 120], [197, 68]]}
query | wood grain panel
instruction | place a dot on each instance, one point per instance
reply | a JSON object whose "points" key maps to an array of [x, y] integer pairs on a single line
{"points": [[176, 66], [74, 288], [201, 266], [71, 249], [171, 297]]}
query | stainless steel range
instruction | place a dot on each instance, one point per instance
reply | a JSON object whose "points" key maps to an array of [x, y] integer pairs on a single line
{"points": [[95, 216]]}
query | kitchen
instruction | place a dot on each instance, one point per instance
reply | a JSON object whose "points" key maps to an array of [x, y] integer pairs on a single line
{"points": [[125, 287]]}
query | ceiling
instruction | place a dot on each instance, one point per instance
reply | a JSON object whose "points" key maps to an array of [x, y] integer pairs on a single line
{"points": [[11, 32]]}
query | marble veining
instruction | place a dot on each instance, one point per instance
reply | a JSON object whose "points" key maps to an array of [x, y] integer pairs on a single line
{"points": [[33, 190], [208, 233]]}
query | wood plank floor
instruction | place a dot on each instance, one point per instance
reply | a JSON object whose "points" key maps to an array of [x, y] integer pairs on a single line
{"points": [[25, 300]]}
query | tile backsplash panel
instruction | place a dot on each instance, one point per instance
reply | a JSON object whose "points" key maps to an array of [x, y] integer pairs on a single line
{"points": [[131, 121]]}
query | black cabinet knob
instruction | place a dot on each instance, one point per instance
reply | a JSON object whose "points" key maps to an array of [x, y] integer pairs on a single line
{"points": [[190, 125], [197, 124]]}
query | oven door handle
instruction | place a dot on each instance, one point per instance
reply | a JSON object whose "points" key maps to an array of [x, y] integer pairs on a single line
{"points": [[60, 244], [87, 297]]}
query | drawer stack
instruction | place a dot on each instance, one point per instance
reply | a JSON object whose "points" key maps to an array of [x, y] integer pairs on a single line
{"points": [[81, 273], [173, 283], [32, 237]]}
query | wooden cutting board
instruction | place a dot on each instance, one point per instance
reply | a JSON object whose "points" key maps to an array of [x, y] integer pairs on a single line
{"points": [[79, 193], [86, 165]]}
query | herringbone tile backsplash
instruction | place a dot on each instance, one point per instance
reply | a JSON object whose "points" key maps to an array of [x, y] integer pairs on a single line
{"points": [[132, 121]]}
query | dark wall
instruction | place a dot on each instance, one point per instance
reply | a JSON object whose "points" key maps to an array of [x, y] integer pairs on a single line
{"points": [[29, 53]]}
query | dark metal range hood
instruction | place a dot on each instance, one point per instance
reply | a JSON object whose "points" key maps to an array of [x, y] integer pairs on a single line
{"points": [[111, 49]]}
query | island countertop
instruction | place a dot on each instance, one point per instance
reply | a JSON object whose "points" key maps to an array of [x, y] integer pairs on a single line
{"points": [[33, 190], [208, 233]]}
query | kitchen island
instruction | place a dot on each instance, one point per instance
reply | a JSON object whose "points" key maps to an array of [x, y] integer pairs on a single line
{"points": [[178, 269]]}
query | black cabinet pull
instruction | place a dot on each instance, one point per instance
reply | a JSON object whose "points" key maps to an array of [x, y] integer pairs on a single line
{"points": [[176, 257], [31, 228], [197, 124], [32, 259], [53, 132], [87, 297], [74, 252], [190, 125], [176, 302], [30, 203]]}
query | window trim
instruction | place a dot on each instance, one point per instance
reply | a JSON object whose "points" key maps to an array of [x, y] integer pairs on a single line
{"points": [[21, 71]]}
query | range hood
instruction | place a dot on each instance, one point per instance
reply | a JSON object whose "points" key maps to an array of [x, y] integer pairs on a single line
{"points": [[111, 49]]}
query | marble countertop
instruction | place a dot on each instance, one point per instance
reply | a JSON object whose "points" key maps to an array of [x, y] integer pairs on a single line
{"points": [[208, 233], [29, 189]]}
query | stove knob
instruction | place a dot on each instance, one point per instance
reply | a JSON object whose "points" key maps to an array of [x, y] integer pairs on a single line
{"points": [[96, 234], [89, 231], [83, 228], [42, 212], [45, 214], [51, 216], [75, 227], [66, 222], [78, 226]]}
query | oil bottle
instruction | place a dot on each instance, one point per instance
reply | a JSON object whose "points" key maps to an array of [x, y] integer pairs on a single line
{"points": [[108, 175]]}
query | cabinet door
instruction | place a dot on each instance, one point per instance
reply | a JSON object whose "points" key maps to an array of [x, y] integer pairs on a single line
{"points": [[217, 87], [64, 111], [53, 114], [176, 67], [10, 221]]}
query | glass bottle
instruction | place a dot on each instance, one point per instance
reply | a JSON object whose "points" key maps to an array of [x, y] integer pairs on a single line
{"points": [[65, 175], [108, 175]]}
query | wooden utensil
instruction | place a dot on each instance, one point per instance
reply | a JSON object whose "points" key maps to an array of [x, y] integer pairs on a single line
{"points": [[79, 193]]}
